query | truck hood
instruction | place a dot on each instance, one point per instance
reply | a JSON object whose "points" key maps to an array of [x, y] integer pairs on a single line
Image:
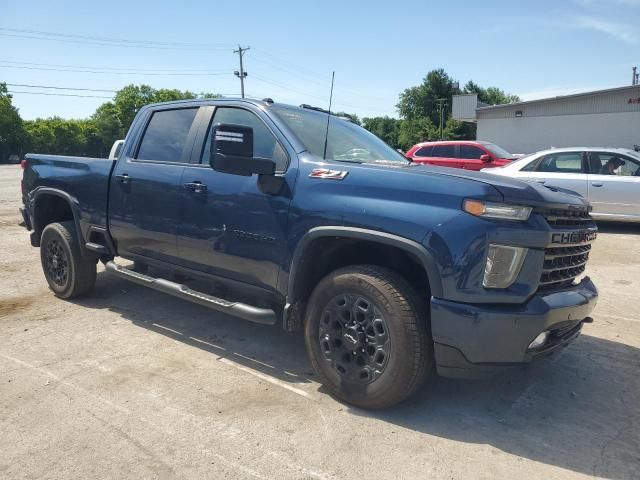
{"points": [[512, 189]]}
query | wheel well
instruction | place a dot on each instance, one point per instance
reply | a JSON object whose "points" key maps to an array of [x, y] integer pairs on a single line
{"points": [[338, 252], [50, 209]]}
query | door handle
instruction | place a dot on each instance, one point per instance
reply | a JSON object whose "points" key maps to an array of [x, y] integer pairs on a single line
{"points": [[196, 187], [123, 178], [541, 181], [596, 184]]}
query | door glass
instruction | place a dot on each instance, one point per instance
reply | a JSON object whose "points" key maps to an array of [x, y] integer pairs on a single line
{"points": [[611, 164], [166, 135], [564, 162], [470, 152], [265, 144], [443, 151], [423, 152]]}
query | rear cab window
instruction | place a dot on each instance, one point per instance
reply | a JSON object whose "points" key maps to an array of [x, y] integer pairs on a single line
{"points": [[166, 136]]}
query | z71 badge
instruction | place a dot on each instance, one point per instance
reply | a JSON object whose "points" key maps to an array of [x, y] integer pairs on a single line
{"points": [[327, 174]]}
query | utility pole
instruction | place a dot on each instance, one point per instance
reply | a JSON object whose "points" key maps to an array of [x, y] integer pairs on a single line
{"points": [[241, 74], [441, 104]]}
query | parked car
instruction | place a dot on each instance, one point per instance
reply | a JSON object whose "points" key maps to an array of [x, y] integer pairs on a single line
{"points": [[388, 267], [608, 177], [460, 154], [114, 153]]}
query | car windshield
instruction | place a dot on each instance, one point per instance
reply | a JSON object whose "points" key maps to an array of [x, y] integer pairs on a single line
{"points": [[346, 142], [498, 151]]}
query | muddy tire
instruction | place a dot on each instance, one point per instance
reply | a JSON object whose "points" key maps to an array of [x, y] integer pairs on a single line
{"points": [[367, 335], [67, 272]]}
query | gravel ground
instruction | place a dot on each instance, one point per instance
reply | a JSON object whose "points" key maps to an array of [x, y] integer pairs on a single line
{"points": [[131, 383]]}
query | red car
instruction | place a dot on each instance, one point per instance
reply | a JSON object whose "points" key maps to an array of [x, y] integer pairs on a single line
{"points": [[460, 154]]}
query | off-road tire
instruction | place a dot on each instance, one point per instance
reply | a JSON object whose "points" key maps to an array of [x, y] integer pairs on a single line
{"points": [[79, 275], [406, 318]]}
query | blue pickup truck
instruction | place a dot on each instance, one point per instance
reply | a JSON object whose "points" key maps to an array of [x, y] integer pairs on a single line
{"points": [[293, 216]]}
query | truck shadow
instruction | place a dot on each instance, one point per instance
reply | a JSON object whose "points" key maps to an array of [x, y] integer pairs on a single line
{"points": [[618, 227], [576, 410]]}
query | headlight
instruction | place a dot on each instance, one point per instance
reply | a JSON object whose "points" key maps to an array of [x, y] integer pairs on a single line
{"points": [[503, 265], [496, 210]]}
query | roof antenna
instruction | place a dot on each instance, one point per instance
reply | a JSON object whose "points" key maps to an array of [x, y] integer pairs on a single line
{"points": [[326, 133]]}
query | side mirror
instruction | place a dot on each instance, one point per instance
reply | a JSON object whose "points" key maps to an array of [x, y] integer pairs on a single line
{"points": [[485, 157], [232, 152]]}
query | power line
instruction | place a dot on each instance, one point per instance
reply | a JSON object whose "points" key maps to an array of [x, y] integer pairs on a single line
{"points": [[113, 39], [181, 70], [57, 94], [83, 70], [59, 88], [104, 41]]}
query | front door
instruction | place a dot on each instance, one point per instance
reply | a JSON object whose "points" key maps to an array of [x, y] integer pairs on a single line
{"points": [[614, 189], [145, 187], [445, 156], [230, 226]]}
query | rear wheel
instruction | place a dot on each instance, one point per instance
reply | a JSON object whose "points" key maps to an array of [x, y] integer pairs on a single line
{"points": [[67, 272], [367, 337]]}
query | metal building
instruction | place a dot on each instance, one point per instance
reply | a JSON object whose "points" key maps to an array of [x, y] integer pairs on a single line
{"points": [[604, 118]]}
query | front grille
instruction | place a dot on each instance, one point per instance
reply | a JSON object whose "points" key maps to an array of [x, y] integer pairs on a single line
{"points": [[562, 264], [557, 218]]}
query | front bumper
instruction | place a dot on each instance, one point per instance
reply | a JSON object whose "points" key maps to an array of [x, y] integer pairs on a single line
{"points": [[475, 340]]}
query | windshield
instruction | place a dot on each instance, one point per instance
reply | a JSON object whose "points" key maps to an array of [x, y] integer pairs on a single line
{"points": [[346, 142], [498, 151]]}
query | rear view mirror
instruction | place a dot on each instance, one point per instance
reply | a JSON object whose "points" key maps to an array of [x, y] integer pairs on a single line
{"points": [[485, 157], [232, 151]]}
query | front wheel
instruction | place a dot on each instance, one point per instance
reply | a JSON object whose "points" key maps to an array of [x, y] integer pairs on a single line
{"points": [[67, 272], [366, 331]]}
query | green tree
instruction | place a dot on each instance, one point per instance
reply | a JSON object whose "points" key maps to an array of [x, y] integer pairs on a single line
{"points": [[490, 95], [386, 128], [12, 133], [108, 126], [415, 130], [422, 101]]}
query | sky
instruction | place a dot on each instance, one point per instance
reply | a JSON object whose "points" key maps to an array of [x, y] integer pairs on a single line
{"points": [[535, 49]]}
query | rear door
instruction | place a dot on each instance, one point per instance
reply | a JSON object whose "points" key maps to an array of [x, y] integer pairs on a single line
{"points": [[616, 193], [445, 156], [231, 226], [562, 169], [145, 186], [423, 154]]}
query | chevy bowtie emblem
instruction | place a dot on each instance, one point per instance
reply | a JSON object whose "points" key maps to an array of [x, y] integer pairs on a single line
{"points": [[328, 174]]}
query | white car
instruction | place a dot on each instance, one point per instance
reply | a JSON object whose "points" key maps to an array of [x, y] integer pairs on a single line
{"points": [[608, 177], [115, 149]]}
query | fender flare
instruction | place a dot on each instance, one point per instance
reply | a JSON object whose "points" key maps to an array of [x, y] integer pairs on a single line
{"points": [[74, 205], [410, 246]]}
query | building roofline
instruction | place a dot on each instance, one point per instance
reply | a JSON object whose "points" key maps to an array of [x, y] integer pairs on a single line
{"points": [[559, 97]]}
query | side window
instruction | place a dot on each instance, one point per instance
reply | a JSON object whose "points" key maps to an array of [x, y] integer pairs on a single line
{"points": [[443, 151], [166, 135], [564, 162], [423, 152], [471, 152], [630, 168], [612, 164], [265, 144]]}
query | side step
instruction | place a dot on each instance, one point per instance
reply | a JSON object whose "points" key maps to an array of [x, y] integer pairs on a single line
{"points": [[264, 316]]}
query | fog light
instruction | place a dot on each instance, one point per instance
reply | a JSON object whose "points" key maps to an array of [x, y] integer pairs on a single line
{"points": [[502, 266], [539, 341]]}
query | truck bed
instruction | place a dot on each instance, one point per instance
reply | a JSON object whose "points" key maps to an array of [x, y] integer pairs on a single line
{"points": [[85, 180]]}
